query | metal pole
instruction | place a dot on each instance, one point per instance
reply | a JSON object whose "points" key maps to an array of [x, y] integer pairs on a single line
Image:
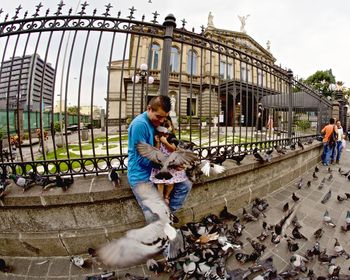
{"points": [[290, 104], [170, 24], [142, 92]]}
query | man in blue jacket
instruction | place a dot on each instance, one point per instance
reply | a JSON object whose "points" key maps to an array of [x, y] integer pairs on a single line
{"points": [[142, 129]]}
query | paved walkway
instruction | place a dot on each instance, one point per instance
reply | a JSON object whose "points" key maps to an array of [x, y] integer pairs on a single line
{"points": [[310, 215]]}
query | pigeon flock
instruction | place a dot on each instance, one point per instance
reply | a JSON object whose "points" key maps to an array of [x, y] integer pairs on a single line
{"points": [[211, 247]]}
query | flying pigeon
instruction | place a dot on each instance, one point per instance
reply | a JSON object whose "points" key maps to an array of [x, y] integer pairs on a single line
{"points": [[139, 245], [113, 176], [209, 168], [177, 158], [3, 185]]}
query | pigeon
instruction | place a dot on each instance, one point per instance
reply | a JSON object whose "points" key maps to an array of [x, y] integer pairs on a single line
{"points": [[318, 233], [297, 234], [258, 156], [328, 220], [341, 198], [258, 247], [300, 183], [280, 149], [22, 182], [333, 271], [285, 207], [238, 158], [308, 184], [114, 177], [139, 245], [3, 186], [4, 267], [45, 182], [300, 145], [80, 262], [314, 175], [63, 183], [292, 246], [292, 146], [326, 197], [316, 169], [209, 168], [177, 158], [226, 215], [330, 177], [183, 144], [298, 262], [248, 217], [339, 250], [218, 158], [295, 198], [155, 266]]}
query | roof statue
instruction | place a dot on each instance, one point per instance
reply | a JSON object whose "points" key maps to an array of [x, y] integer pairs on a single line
{"points": [[268, 45], [243, 20], [210, 20]]}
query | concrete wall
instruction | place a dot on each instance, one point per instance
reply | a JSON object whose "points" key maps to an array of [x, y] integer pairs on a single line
{"points": [[92, 211]]}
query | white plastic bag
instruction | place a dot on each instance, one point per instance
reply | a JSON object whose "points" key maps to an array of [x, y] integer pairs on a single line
{"points": [[343, 143]]}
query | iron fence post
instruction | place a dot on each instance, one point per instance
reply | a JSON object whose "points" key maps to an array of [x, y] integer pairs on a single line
{"points": [[170, 24], [290, 104]]}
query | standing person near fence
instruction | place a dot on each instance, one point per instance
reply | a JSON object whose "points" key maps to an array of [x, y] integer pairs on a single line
{"points": [[142, 129], [338, 147], [328, 132]]}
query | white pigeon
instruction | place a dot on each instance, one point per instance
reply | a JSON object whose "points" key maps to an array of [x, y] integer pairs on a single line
{"points": [[211, 168], [328, 220], [139, 245]]}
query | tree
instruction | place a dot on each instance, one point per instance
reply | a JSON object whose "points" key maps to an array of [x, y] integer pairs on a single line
{"points": [[322, 81], [73, 110]]}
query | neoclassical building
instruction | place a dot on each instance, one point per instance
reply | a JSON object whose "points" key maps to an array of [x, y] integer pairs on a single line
{"points": [[205, 81]]}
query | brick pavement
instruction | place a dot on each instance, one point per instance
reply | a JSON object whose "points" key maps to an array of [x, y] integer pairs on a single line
{"points": [[310, 213]]}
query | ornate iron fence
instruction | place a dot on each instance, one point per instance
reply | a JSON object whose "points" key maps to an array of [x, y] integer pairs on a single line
{"points": [[227, 92]]}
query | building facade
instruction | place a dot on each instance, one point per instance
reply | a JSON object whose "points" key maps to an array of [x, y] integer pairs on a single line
{"points": [[204, 82], [28, 80]]}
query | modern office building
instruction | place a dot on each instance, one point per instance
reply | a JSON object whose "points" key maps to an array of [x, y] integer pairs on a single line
{"points": [[26, 82]]}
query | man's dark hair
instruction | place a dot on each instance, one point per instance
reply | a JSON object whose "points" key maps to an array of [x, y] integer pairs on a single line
{"points": [[160, 101], [331, 121]]}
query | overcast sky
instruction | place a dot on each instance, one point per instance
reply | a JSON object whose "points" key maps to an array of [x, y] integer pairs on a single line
{"points": [[305, 35]]}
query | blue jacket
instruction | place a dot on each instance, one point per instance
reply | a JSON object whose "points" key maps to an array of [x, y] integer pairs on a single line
{"points": [[139, 168]]}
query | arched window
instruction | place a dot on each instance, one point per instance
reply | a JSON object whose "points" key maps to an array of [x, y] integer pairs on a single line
{"points": [[174, 60], [154, 57], [191, 62]]}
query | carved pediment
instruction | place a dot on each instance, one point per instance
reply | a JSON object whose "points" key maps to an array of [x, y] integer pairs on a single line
{"points": [[239, 40]]}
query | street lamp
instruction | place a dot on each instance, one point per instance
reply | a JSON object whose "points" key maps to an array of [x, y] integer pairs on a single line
{"points": [[144, 76]]}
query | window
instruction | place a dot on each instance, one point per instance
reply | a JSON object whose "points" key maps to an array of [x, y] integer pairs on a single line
{"points": [[191, 63], [260, 77], [191, 107], [154, 58], [225, 70], [174, 60], [244, 72]]}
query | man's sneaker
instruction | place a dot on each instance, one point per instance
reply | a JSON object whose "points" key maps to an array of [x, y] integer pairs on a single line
{"points": [[337, 162]]}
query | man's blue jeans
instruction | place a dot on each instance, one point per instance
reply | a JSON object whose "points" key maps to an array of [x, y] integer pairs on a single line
{"points": [[336, 151], [177, 198], [327, 150]]}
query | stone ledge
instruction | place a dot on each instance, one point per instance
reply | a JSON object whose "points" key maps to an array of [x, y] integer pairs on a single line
{"points": [[92, 211]]}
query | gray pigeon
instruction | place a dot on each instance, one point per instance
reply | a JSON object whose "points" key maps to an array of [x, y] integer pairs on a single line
{"points": [[139, 245], [326, 197], [175, 159]]}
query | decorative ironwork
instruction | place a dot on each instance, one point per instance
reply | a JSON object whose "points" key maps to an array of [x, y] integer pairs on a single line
{"points": [[220, 87]]}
